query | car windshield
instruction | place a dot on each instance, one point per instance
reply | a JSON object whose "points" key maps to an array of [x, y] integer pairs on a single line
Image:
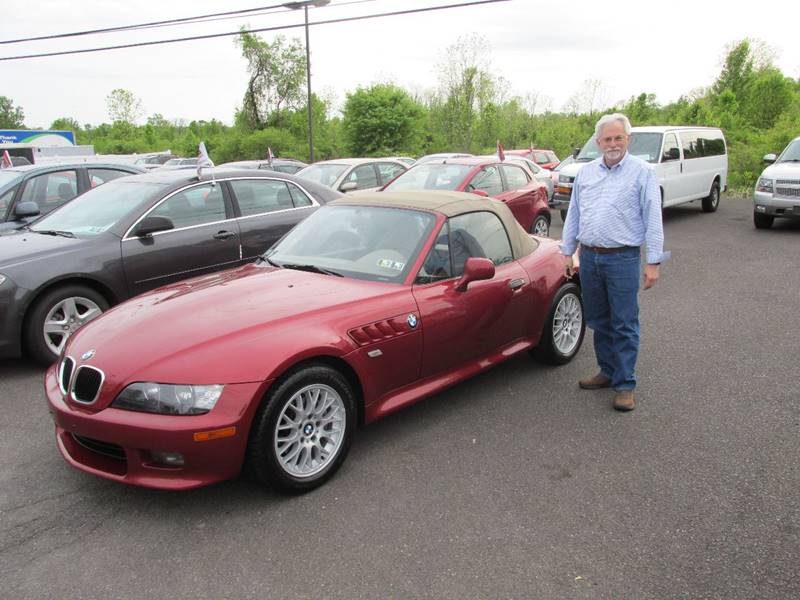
{"points": [[100, 208], [567, 161], [8, 176], [326, 174], [430, 176], [645, 145], [363, 242], [172, 161], [792, 152]]}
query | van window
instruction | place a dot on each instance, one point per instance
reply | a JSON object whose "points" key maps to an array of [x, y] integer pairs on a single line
{"points": [[671, 150], [697, 144]]}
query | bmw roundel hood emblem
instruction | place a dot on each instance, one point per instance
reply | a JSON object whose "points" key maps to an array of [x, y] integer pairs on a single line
{"points": [[412, 321], [88, 354]]}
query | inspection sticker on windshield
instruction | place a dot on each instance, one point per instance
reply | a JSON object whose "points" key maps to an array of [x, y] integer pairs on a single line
{"points": [[391, 264]]}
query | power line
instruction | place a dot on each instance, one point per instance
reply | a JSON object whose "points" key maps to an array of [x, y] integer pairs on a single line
{"points": [[259, 30]]}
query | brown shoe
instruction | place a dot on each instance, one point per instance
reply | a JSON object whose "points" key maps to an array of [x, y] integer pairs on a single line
{"points": [[623, 400], [595, 382]]}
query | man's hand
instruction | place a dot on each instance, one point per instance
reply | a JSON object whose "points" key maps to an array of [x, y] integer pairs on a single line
{"points": [[650, 276], [569, 266]]}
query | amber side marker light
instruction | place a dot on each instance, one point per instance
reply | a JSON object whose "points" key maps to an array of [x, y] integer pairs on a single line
{"points": [[207, 436]]}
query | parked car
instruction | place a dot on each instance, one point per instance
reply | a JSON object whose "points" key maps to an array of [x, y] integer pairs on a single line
{"points": [[546, 159], [351, 174], [777, 193], [132, 235], [281, 165], [441, 155], [540, 174], [27, 192], [691, 164], [369, 305], [19, 161], [403, 159], [153, 161], [178, 163], [508, 183]]}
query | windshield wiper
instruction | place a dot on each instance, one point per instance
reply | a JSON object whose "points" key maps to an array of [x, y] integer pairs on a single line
{"points": [[265, 259], [311, 269], [67, 234]]}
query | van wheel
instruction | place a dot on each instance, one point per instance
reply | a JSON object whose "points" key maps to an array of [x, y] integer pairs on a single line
{"points": [[711, 202], [762, 221]]}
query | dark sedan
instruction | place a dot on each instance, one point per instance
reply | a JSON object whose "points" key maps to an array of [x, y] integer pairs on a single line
{"points": [[133, 235], [26, 192]]}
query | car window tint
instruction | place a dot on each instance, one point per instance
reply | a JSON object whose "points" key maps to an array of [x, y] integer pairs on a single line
{"points": [[478, 235], [388, 171], [437, 265], [259, 196], [515, 177], [50, 190], [670, 147], [488, 180], [298, 197], [101, 176], [364, 176], [196, 206]]}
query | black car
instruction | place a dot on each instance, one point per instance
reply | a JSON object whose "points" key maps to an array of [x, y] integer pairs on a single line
{"points": [[135, 234], [27, 192]]}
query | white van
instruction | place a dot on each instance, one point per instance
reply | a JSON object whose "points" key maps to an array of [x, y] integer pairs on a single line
{"points": [[691, 164]]}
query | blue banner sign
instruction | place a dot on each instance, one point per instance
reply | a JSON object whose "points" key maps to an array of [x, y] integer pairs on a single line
{"points": [[37, 138]]}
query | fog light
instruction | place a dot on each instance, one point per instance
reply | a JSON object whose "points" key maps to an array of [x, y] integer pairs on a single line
{"points": [[169, 459]]}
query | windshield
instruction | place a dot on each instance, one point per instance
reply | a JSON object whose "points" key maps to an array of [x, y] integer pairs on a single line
{"points": [[99, 209], [363, 242], [646, 146], [791, 153], [7, 176], [326, 174], [430, 176]]}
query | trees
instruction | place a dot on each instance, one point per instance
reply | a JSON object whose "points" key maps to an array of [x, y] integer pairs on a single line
{"points": [[277, 73], [11, 117], [382, 120], [123, 106]]}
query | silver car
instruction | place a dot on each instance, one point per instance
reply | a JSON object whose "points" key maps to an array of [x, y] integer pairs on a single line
{"points": [[351, 174], [777, 193]]}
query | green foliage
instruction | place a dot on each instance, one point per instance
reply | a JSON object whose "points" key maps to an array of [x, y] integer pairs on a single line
{"points": [[11, 117], [123, 106], [382, 120]]}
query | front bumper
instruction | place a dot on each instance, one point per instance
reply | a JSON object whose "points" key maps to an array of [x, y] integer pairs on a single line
{"points": [[117, 444], [560, 200], [768, 204]]}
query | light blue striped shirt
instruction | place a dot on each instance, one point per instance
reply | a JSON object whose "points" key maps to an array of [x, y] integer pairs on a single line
{"points": [[617, 206]]}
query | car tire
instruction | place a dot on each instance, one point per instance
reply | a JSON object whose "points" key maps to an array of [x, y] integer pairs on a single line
{"points": [[308, 410], [762, 221], [711, 202], [564, 215], [540, 226], [57, 315], [564, 327]]}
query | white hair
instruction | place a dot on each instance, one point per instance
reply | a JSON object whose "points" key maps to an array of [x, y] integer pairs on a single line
{"points": [[607, 119]]}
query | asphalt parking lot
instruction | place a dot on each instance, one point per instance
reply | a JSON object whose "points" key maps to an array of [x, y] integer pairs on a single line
{"points": [[516, 484]]}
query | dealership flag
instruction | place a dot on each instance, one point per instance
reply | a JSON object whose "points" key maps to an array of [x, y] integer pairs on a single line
{"points": [[500, 153], [203, 161], [270, 156], [6, 160]]}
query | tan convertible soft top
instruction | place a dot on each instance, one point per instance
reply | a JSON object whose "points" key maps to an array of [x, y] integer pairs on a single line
{"points": [[449, 204]]}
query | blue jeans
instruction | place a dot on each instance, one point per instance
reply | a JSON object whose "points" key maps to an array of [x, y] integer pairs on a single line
{"points": [[610, 287]]}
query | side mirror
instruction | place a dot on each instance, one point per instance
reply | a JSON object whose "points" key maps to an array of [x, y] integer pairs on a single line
{"points": [[480, 193], [475, 269], [770, 158], [153, 224], [26, 209], [348, 186], [575, 152]]}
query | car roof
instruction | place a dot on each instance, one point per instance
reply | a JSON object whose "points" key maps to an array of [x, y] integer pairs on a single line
{"points": [[450, 204], [469, 161], [353, 161], [74, 165]]}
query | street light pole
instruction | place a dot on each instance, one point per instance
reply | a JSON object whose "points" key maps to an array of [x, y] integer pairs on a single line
{"points": [[304, 4]]}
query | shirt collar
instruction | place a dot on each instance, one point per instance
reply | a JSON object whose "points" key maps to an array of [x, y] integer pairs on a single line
{"points": [[620, 164]]}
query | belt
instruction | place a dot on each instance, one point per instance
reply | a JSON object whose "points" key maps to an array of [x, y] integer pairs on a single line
{"points": [[601, 250]]}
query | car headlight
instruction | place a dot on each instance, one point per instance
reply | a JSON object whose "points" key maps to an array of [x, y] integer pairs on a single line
{"points": [[565, 179], [2, 279], [168, 399], [764, 185]]}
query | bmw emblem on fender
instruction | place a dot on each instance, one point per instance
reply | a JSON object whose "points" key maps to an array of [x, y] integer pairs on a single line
{"points": [[412, 321], [88, 354]]}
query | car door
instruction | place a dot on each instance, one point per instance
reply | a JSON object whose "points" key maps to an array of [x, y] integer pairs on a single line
{"points": [[518, 194], [364, 176], [49, 190], [459, 326], [205, 238], [669, 169], [266, 210]]}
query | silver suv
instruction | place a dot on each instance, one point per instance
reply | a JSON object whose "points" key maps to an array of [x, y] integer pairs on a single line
{"points": [[777, 193]]}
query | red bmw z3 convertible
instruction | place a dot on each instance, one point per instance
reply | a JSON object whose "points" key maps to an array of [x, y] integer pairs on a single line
{"points": [[372, 303]]}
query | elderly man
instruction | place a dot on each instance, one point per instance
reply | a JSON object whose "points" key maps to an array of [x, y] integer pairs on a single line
{"points": [[615, 209]]}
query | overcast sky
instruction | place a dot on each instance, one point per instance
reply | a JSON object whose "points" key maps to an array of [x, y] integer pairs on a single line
{"points": [[549, 48]]}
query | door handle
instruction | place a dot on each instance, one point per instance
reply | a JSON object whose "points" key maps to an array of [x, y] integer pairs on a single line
{"points": [[515, 284], [224, 235]]}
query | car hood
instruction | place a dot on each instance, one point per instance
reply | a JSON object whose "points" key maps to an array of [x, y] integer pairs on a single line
{"points": [[782, 170], [231, 327], [18, 248]]}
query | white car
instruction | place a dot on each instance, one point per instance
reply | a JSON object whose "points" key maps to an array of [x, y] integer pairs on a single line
{"points": [[777, 193], [351, 174]]}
